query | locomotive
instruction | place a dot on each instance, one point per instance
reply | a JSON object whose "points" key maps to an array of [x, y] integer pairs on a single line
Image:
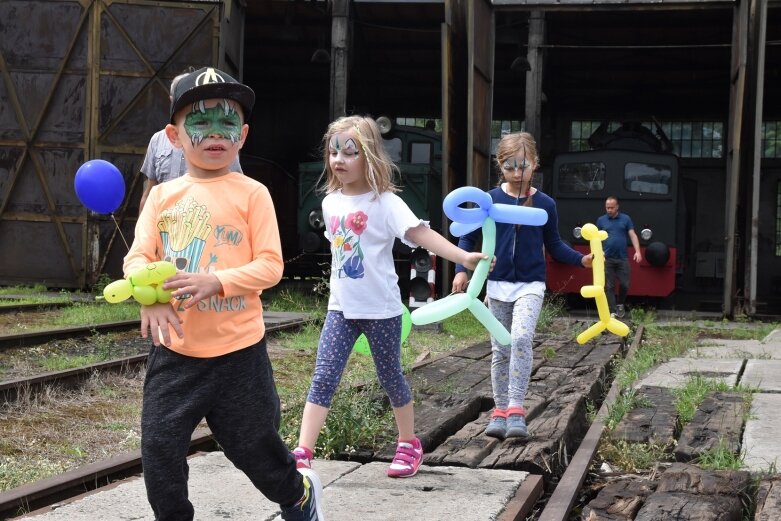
{"points": [[635, 165]]}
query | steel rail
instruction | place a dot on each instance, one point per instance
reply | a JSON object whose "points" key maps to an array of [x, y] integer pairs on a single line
{"points": [[46, 492], [10, 390], [38, 306], [45, 335], [559, 505]]}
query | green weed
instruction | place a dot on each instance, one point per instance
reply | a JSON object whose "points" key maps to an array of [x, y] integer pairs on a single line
{"points": [[690, 395], [61, 363], [358, 419], [81, 314], [720, 457], [553, 307], [633, 457], [22, 290]]}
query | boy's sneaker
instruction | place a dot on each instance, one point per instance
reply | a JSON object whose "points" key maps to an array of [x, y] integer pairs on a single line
{"points": [[310, 506], [516, 423], [497, 427], [407, 460], [303, 457], [620, 310]]}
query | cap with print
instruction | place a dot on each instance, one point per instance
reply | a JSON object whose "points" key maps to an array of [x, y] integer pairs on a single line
{"points": [[208, 83]]}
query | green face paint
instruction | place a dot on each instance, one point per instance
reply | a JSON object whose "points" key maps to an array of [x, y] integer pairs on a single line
{"points": [[222, 121]]}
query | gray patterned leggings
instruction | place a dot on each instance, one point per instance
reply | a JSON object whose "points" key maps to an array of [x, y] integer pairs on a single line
{"points": [[511, 365]]}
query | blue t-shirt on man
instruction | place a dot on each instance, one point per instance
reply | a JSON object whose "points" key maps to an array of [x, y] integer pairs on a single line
{"points": [[617, 228]]}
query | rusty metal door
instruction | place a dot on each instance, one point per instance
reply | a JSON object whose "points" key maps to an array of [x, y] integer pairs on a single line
{"points": [[86, 79]]}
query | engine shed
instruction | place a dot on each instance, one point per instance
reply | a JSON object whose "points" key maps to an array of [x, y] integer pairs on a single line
{"points": [[84, 79]]}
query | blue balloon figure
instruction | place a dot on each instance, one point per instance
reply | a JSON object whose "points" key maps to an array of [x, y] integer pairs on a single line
{"points": [[486, 213], [100, 186]]}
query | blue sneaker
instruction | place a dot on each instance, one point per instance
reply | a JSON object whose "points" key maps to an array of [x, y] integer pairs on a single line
{"points": [[516, 423], [497, 427], [309, 508]]}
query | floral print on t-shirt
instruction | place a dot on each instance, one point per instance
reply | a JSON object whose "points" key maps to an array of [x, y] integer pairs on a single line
{"points": [[346, 253]]}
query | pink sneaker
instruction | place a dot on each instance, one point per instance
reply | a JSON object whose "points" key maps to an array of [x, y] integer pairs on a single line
{"points": [[303, 457], [407, 460]]}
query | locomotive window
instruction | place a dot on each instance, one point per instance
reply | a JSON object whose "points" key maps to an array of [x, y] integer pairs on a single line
{"points": [[420, 153], [647, 178], [581, 177], [393, 148]]}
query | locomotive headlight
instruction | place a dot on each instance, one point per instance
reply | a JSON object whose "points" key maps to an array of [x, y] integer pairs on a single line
{"points": [[646, 234], [316, 219], [385, 124], [576, 232]]}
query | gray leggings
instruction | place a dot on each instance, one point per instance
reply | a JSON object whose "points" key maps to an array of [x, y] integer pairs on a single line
{"points": [[511, 366]]}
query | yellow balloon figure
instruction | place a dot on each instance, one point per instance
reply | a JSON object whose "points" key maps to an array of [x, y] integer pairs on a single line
{"points": [[597, 290], [144, 285]]}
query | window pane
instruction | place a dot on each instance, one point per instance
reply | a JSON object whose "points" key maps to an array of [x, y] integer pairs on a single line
{"points": [[393, 148], [420, 153], [647, 178], [581, 177]]}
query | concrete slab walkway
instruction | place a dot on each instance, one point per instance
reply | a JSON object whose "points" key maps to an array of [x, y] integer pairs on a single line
{"points": [[754, 364], [351, 492]]}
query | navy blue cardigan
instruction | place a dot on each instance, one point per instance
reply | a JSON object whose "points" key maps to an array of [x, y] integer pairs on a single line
{"points": [[519, 250]]}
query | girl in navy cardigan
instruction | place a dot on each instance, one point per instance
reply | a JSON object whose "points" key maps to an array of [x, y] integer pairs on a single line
{"points": [[516, 286]]}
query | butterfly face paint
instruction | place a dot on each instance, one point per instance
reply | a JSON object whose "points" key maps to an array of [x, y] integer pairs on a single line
{"points": [[221, 120], [344, 146], [514, 163]]}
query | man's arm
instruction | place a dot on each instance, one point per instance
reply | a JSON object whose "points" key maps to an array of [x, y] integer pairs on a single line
{"points": [[635, 244], [148, 184]]}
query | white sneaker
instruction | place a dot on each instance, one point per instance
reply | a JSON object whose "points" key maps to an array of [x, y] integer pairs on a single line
{"points": [[620, 310]]}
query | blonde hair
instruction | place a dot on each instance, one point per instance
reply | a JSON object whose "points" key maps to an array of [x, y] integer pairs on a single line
{"points": [[509, 146], [380, 169]]}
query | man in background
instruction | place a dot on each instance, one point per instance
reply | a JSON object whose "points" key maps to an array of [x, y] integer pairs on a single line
{"points": [[619, 227]]}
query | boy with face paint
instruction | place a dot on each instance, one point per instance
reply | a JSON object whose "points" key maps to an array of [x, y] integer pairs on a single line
{"points": [[208, 358], [163, 161]]}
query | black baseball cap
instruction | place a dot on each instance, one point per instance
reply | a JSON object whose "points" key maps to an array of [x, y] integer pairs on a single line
{"points": [[207, 83]]}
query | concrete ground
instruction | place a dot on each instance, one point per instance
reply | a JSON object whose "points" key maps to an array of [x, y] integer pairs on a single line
{"points": [[351, 492]]}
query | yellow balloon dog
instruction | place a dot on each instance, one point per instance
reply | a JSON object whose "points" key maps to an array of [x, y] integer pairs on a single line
{"points": [[144, 285], [597, 290]]}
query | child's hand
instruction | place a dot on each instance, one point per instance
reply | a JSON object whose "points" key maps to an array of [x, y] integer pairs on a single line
{"points": [[474, 257], [156, 318], [587, 260], [198, 286], [460, 282]]}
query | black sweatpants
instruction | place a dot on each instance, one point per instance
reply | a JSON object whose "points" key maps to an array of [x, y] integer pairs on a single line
{"points": [[237, 396]]}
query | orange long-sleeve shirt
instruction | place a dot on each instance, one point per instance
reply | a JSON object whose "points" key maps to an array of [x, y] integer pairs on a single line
{"points": [[225, 226]]}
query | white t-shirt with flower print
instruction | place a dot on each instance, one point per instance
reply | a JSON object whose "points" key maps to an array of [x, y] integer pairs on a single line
{"points": [[361, 230]]}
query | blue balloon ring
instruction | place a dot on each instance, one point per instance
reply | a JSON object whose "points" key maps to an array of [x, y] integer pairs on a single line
{"points": [[467, 194]]}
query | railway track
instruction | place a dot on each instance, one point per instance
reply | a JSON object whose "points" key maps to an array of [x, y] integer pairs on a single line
{"points": [[10, 390], [46, 492], [566, 485]]}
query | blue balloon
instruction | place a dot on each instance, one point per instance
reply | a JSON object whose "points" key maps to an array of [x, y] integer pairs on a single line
{"points": [[510, 214], [467, 194], [100, 186], [458, 229]]}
